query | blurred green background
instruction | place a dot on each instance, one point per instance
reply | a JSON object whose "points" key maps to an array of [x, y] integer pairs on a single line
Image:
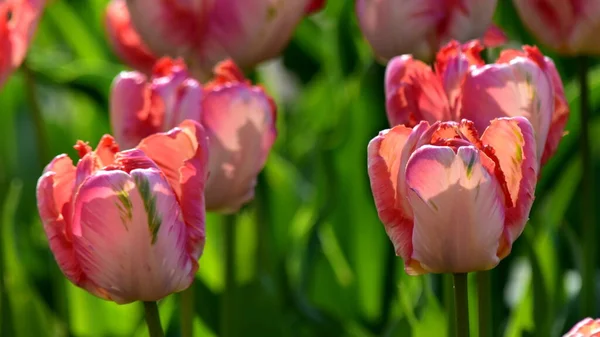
{"points": [[311, 256]]}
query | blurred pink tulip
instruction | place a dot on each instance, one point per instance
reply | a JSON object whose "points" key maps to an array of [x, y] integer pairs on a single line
{"points": [[452, 202], [420, 27], [128, 226], [586, 328], [125, 40], [205, 32], [239, 119], [568, 26], [520, 83], [18, 22]]}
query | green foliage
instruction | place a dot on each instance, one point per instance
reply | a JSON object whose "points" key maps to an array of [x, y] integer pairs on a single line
{"points": [[312, 258]]}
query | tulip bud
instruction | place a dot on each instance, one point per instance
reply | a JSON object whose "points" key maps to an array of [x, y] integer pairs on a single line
{"points": [[520, 83], [420, 27], [239, 119], [452, 202], [18, 22], [125, 40], [128, 226], [586, 328], [207, 32], [567, 26]]}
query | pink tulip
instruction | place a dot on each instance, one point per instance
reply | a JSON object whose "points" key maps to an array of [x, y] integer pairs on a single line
{"points": [[128, 226], [520, 83], [18, 22], [568, 26], [126, 42], [238, 117], [586, 328], [420, 27], [452, 202], [205, 32]]}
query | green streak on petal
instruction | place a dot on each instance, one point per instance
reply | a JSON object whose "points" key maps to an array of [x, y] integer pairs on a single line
{"points": [[432, 204], [149, 200], [124, 205], [470, 167]]}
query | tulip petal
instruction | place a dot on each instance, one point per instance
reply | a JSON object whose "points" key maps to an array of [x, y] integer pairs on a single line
{"points": [[494, 37], [560, 115], [513, 142], [54, 193], [519, 88], [388, 154], [125, 39], [413, 93], [458, 210], [240, 121], [182, 156], [133, 113], [452, 64], [129, 236]]}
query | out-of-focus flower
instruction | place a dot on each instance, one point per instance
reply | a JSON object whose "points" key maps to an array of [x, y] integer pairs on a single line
{"points": [[420, 27], [18, 22], [315, 6], [205, 32], [452, 202], [238, 117], [126, 42], [568, 26], [520, 83], [494, 37], [128, 226], [586, 328]]}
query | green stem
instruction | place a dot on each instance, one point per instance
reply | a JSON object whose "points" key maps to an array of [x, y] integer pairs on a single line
{"points": [[36, 115], [228, 300], [461, 305], [588, 204], [483, 300], [187, 311], [449, 304], [153, 319]]}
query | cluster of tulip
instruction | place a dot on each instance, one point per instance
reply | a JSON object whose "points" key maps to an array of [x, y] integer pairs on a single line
{"points": [[453, 179]]}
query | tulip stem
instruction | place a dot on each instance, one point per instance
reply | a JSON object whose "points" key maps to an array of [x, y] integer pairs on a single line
{"points": [[588, 295], [36, 114], [228, 300], [449, 304], [484, 305], [187, 311], [461, 304], [153, 319]]}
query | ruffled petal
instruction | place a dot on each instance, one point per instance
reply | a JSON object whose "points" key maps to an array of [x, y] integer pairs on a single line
{"points": [[129, 236], [182, 155], [458, 210], [513, 142], [414, 93], [517, 88], [54, 193], [388, 154], [452, 64]]}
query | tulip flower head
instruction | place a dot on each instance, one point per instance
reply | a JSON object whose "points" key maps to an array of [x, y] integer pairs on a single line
{"points": [[128, 226], [452, 202], [18, 22], [568, 26], [520, 83], [239, 119], [586, 328], [420, 27], [205, 32]]}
